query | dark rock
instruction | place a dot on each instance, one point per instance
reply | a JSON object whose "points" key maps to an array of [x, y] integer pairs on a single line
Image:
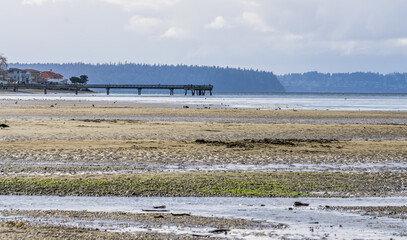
{"points": [[160, 207], [220, 230], [4, 125], [300, 204]]}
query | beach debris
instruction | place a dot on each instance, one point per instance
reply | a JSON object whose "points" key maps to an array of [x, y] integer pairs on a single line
{"points": [[185, 107], [159, 216], [220, 230], [15, 224], [181, 214], [154, 210], [160, 207], [4, 125], [52, 106], [300, 204], [200, 236]]}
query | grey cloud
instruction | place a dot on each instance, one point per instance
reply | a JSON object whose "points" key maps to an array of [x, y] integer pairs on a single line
{"points": [[276, 35]]}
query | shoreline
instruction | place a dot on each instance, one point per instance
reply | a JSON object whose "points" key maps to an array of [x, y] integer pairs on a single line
{"points": [[231, 102]]}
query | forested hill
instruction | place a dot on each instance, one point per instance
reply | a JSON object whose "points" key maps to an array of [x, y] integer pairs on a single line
{"points": [[223, 79], [345, 82]]}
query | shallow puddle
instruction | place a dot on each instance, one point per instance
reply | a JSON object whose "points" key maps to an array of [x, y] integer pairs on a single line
{"points": [[313, 221]]}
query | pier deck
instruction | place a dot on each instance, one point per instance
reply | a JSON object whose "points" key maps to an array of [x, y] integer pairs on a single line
{"points": [[199, 90]]}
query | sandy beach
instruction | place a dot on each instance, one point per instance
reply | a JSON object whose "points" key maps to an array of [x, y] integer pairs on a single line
{"points": [[89, 149]]}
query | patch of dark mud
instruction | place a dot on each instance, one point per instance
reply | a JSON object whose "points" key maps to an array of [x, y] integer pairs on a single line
{"points": [[251, 143]]}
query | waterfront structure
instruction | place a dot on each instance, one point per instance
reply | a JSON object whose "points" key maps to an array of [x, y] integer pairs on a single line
{"points": [[18, 76], [51, 77], [33, 75], [199, 90]]}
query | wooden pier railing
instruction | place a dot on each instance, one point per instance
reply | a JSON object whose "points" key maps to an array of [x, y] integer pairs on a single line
{"points": [[199, 90]]}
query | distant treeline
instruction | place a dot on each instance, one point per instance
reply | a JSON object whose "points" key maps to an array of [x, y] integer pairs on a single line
{"points": [[345, 82], [223, 79]]}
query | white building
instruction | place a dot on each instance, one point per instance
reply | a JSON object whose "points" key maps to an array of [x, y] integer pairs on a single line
{"points": [[18, 76]]}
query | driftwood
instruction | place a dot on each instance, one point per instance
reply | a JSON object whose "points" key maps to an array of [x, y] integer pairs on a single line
{"points": [[181, 214], [154, 210]]}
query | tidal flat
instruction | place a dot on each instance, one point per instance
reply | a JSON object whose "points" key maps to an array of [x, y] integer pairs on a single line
{"points": [[62, 148]]}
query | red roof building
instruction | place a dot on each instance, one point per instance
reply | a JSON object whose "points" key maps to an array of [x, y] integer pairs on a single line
{"points": [[47, 75]]}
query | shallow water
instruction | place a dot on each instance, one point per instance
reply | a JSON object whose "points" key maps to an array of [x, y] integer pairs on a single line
{"points": [[350, 102], [395, 167], [303, 222]]}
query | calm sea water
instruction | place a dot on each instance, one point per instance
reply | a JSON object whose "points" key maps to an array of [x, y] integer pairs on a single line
{"points": [[288, 101]]}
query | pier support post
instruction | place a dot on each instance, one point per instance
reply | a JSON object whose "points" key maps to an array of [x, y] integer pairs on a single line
{"points": [[186, 92], [108, 91], [171, 91], [193, 92], [139, 91], [45, 90], [210, 92]]}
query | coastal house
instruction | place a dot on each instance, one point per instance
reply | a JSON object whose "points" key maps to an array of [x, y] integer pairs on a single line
{"points": [[33, 75], [16, 75], [52, 78]]}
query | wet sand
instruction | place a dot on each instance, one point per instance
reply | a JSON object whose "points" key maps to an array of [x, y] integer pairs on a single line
{"points": [[81, 148], [22, 230]]}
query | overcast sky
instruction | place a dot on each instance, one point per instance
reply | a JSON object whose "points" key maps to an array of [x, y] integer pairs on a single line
{"points": [[277, 35]]}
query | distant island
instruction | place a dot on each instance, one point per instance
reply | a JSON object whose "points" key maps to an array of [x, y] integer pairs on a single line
{"points": [[358, 82]]}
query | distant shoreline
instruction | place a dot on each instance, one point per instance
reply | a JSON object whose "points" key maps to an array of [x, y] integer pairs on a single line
{"points": [[40, 91]]}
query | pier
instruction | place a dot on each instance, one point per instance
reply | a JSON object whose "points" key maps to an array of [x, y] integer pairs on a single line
{"points": [[198, 90]]}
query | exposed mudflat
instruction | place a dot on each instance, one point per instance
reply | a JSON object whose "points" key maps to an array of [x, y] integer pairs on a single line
{"points": [[83, 148], [141, 156]]}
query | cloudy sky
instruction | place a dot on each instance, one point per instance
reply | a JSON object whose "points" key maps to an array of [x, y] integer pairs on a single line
{"points": [[277, 35]]}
